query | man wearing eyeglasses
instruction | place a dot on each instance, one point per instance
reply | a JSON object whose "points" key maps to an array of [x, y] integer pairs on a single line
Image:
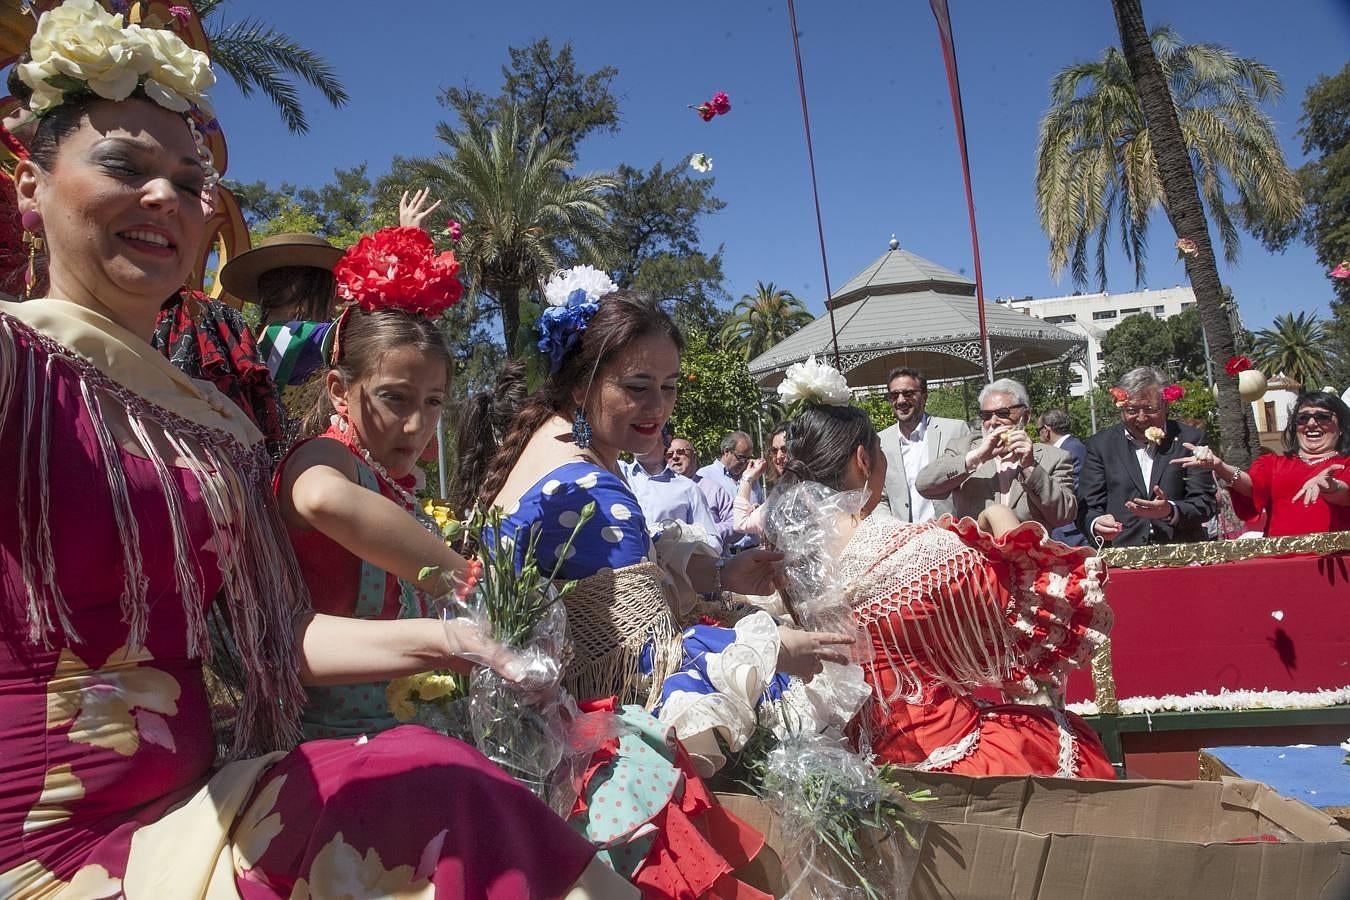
{"points": [[914, 441], [728, 470], [1002, 465], [1129, 492], [683, 460], [666, 496]]}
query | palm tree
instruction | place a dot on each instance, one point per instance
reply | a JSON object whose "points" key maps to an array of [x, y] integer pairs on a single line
{"points": [[1096, 165], [519, 212], [1298, 346], [762, 319], [257, 56], [1169, 159]]}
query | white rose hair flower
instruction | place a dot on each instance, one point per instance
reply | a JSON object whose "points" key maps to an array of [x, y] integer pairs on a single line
{"points": [[595, 283], [79, 46], [816, 382], [701, 162]]}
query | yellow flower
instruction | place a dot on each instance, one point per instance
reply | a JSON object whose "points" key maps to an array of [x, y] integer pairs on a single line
{"points": [[398, 694], [435, 685], [340, 872], [100, 702]]}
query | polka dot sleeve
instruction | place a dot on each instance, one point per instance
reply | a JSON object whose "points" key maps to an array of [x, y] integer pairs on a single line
{"points": [[614, 537]]}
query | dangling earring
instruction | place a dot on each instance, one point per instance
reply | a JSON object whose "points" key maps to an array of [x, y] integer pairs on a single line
{"points": [[340, 422], [31, 221], [581, 429]]}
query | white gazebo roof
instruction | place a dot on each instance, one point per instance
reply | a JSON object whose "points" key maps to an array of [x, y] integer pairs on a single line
{"points": [[906, 310]]}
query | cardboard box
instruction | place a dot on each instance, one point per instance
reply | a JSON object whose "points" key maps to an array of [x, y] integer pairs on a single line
{"points": [[1033, 838]]}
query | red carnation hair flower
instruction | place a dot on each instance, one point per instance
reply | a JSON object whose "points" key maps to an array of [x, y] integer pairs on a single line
{"points": [[1237, 364], [399, 268], [1118, 394]]}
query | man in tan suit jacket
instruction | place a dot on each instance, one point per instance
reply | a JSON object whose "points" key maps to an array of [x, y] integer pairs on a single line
{"points": [[1003, 465], [914, 441]]}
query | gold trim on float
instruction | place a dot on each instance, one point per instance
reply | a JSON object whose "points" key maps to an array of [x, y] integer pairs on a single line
{"points": [[1206, 553]]}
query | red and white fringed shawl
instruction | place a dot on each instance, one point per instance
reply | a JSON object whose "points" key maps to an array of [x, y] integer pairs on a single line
{"points": [[130, 393], [948, 604]]}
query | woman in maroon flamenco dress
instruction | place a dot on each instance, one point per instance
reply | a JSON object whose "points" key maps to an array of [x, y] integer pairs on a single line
{"points": [[137, 494], [950, 609]]}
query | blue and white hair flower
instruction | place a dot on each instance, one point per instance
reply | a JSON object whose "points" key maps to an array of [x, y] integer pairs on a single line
{"points": [[573, 297]]}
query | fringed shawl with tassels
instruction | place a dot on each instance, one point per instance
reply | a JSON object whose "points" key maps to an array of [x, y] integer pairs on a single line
{"points": [[134, 398]]}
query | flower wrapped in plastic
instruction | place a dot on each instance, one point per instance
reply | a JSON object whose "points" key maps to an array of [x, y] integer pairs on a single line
{"points": [[853, 829]]}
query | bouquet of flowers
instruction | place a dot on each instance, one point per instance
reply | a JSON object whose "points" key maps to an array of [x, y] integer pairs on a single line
{"points": [[857, 829], [519, 723]]}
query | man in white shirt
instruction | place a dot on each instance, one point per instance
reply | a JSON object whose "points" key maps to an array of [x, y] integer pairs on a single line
{"points": [[914, 441], [666, 496]]}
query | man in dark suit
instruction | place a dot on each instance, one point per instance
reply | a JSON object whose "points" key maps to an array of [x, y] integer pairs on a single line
{"points": [[1129, 493], [1053, 429]]}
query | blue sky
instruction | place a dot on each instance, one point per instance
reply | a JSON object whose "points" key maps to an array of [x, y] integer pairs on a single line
{"points": [[882, 124]]}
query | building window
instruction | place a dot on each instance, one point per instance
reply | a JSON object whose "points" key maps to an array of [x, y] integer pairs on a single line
{"points": [[1188, 305], [1160, 311], [1271, 419], [1101, 356], [1058, 320], [1101, 314], [1130, 312]]}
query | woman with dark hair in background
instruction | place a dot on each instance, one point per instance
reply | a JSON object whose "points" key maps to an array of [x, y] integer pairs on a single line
{"points": [[949, 609], [749, 517], [1305, 489]]}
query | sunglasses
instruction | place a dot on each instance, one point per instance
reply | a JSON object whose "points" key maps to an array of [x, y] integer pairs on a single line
{"points": [[1003, 412], [1321, 418], [1138, 410], [741, 456], [679, 451], [778, 451], [896, 395]]}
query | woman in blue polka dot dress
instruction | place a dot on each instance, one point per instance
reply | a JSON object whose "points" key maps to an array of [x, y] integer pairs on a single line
{"points": [[614, 367]]}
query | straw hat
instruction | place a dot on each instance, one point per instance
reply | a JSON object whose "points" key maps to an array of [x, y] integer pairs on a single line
{"points": [[240, 275]]}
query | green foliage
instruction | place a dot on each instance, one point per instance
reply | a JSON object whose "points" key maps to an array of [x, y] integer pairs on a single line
{"points": [[717, 396], [762, 319], [341, 210], [257, 56], [654, 216], [551, 99], [1175, 345], [523, 215], [1096, 169], [1298, 346]]}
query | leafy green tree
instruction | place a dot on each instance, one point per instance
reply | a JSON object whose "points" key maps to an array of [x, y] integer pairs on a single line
{"points": [[341, 210], [1097, 165], [259, 57], [655, 216], [1297, 346], [545, 92], [521, 216], [1175, 345], [718, 395], [762, 319]]}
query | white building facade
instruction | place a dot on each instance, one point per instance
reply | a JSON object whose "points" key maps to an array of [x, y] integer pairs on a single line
{"points": [[1092, 315]]}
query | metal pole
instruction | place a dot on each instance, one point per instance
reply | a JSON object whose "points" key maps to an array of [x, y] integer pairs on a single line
{"points": [[440, 458]]}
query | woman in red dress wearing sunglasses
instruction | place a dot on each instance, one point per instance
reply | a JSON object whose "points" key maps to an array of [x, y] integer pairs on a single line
{"points": [[1307, 489]]}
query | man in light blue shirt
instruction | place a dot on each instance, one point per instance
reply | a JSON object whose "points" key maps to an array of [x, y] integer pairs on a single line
{"points": [[683, 459], [726, 471], [666, 496]]}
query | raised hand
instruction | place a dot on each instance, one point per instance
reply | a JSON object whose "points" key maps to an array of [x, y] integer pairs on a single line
{"points": [[754, 572], [1324, 482], [753, 469], [1107, 527], [412, 212], [1201, 457]]}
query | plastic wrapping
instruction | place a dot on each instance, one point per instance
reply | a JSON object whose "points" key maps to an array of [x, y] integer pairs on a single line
{"points": [[857, 835]]}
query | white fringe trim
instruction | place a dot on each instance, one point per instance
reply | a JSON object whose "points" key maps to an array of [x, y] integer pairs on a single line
{"points": [[1225, 699]]}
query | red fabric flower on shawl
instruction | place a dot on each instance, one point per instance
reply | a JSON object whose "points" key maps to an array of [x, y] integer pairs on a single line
{"points": [[399, 268]]}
